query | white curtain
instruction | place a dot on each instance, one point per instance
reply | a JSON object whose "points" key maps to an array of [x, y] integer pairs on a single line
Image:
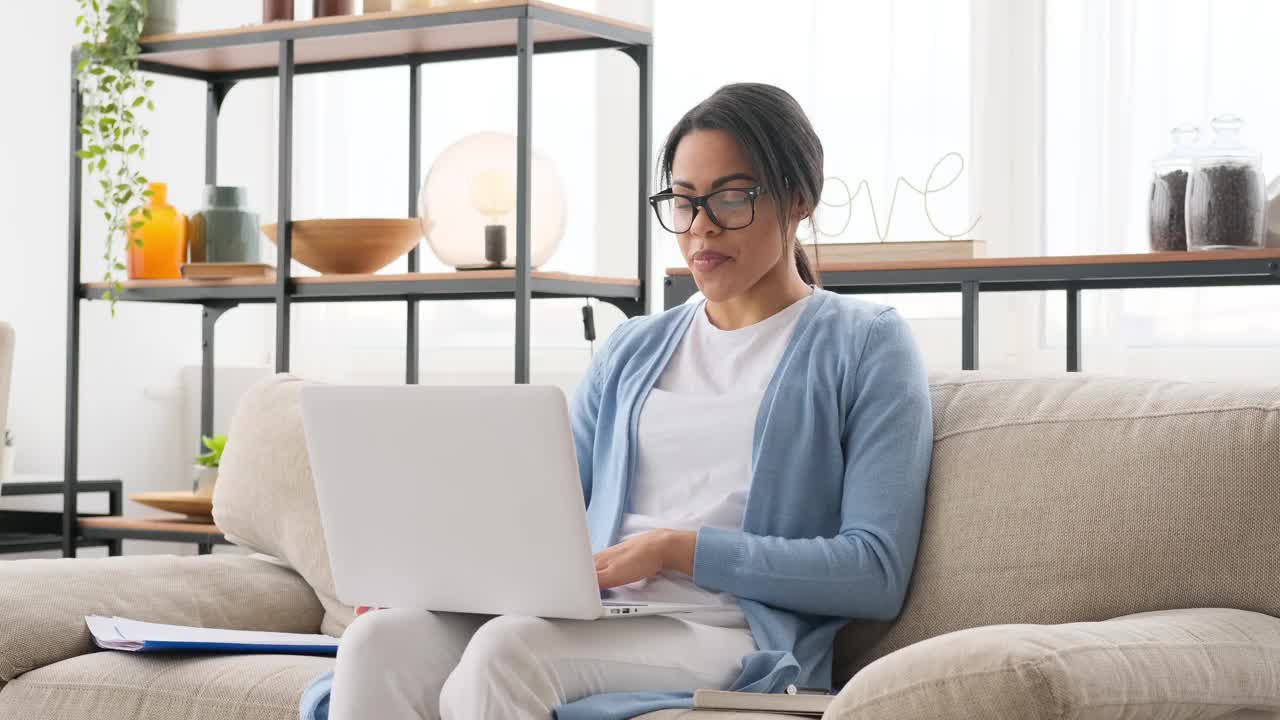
{"points": [[1057, 105], [1119, 74]]}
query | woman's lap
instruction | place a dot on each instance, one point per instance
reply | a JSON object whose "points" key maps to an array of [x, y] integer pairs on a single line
{"points": [[416, 664], [383, 647]]}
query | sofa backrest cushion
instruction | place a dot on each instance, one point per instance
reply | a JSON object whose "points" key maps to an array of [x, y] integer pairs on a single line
{"points": [[265, 498], [1072, 497]]}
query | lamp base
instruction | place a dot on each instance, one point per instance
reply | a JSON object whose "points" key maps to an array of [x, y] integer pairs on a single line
{"points": [[495, 243], [471, 267]]}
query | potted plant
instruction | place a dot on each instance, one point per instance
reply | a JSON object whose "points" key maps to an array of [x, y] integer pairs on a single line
{"points": [[206, 467], [7, 453], [114, 95]]}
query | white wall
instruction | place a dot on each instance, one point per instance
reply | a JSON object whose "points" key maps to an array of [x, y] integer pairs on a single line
{"points": [[132, 413]]}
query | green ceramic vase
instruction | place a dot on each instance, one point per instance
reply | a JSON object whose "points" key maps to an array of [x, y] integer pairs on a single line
{"points": [[225, 230]]}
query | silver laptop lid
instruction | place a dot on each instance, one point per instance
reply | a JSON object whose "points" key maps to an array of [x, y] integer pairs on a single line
{"points": [[458, 498]]}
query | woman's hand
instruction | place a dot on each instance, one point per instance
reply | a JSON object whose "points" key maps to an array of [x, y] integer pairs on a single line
{"points": [[644, 556]]}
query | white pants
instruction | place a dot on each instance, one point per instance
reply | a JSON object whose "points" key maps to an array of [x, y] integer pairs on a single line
{"points": [[410, 664]]}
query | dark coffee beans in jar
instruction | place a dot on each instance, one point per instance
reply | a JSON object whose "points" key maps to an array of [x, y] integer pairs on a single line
{"points": [[1167, 205], [1228, 208]]}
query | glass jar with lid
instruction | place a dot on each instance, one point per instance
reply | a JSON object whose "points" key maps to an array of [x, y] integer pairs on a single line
{"points": [[1167, 224], [1226, 194]]}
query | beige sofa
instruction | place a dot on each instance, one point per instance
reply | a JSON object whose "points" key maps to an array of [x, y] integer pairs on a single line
{"points": [[1093, 547]]}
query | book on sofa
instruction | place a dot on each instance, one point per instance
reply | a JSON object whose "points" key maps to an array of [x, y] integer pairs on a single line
{"points": [[117, 633], [799, 704]]}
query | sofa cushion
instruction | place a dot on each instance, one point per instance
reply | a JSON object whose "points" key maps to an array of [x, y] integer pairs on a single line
{"points": [[43, 602], [1068, 497], [1174, 665], [265, 498], [131, 686]]}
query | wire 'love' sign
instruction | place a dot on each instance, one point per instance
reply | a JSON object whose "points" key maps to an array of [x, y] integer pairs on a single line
{"points": [[841, 197]]}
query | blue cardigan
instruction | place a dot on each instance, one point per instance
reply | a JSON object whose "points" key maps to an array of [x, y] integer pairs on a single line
{"points": [[842, 450]]}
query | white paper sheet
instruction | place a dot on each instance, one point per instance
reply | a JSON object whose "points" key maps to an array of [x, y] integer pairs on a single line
{"points": [[117, 633]]}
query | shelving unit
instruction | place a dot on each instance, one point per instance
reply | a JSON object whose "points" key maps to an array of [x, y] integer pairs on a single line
{"points": [[38, 531], [410, 39]]}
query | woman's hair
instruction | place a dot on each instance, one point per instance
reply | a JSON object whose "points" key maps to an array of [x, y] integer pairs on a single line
{"points": [[773, 130]]}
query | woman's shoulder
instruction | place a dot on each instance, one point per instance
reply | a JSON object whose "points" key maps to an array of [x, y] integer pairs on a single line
{"points": [[639, 336], [851, 315], [847, 318], [831, 311], [850, 308], [648, 328]]}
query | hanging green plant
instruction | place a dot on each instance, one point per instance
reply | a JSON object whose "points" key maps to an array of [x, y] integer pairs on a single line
{"points": [[114, 139]]}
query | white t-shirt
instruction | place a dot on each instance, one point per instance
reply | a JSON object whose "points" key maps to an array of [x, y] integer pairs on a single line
{"points": [[693, 461]]}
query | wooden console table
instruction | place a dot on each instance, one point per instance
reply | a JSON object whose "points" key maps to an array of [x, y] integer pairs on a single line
{"points": [[170, 529], [1069, 273]]}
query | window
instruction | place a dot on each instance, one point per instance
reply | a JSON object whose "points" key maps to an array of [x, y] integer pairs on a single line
{"points": [[1119, 75], [886, 85], [351, 160]]}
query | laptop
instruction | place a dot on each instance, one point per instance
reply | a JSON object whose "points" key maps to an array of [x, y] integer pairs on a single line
{"points": [[457, 499]]}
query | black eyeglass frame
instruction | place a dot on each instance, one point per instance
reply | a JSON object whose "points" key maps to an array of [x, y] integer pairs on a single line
{"points": [[702, 201]]}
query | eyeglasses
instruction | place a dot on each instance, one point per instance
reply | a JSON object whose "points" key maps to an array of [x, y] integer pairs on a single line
{"points": [[729, 209]]}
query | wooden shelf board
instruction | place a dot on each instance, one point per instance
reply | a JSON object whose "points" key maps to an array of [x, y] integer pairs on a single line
{"points": [[160, 284], [1042, 261], [461, 276], [453, 276], [356, 37], [173, 523]]}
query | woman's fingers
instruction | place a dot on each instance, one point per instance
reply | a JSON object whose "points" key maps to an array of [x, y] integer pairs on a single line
{"points": [[609, 570], [627, 562], [610, 577]]}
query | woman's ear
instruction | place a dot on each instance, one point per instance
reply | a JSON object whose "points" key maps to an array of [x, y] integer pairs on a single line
{"points": [[799, 208]]}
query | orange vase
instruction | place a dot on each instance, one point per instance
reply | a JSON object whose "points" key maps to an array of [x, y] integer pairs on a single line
{"points": [[164, 240]]}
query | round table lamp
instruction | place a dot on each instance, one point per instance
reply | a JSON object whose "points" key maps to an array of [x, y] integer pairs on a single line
{"points": [[468, 204]]}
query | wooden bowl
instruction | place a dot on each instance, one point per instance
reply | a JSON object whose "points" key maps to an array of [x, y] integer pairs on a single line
{"points": [[351, 246], [183, 503]]}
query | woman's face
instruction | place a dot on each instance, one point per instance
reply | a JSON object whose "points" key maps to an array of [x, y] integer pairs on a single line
{"points": [[725, 263]]}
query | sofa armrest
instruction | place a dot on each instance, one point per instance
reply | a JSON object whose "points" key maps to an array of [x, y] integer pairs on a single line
{"points": [[43, 602], [1173, 664]]}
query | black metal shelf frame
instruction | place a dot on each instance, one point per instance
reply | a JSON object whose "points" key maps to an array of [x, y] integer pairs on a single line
{"points": [[1069, 277], [36, 531], [632, 300]]}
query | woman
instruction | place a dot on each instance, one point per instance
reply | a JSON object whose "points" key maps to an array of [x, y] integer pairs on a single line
{"points": [[764, 451]]}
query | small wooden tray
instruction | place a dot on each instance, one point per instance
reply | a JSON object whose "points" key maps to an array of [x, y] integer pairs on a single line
{"points": [[183, 503], [904, 251], [225, 270]]}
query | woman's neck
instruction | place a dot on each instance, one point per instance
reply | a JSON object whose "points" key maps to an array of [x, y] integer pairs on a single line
{"points": [[776, 291]]}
